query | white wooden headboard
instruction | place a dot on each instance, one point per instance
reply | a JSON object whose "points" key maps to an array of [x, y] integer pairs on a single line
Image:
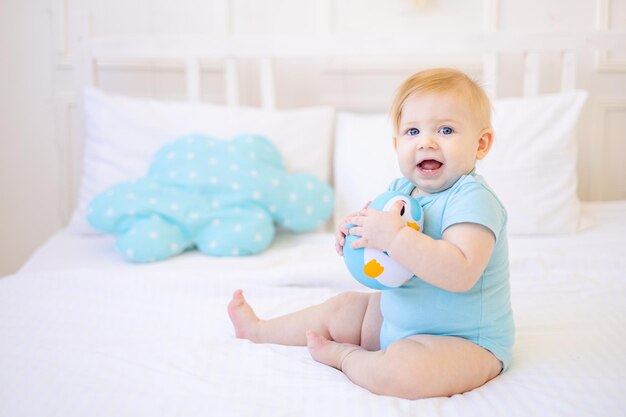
{"points": [[191, 51], [357, 74]]}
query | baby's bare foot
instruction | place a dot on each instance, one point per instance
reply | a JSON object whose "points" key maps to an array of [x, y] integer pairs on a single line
{"points": [[327, 351], [244, 319]]}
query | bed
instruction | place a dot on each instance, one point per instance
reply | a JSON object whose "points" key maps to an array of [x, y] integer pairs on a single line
{"points": [[85, 332]]}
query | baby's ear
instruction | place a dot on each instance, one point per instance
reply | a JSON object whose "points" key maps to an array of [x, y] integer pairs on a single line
{"points": [[485, 141]]}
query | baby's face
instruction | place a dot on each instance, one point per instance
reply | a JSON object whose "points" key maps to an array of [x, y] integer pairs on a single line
{"points": [[439, 140]]}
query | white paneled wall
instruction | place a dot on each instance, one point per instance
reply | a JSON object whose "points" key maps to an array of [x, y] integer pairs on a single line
{"points": [[41, 118]]}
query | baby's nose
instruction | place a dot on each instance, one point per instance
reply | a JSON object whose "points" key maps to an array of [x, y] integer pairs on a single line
{"points": [[427, 142]]}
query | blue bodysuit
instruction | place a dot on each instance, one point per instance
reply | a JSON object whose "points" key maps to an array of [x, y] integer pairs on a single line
{"points": [[482, 314]]}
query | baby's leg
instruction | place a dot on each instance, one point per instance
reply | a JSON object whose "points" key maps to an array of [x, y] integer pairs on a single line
{"points": [[349, 317], [420, 366]]}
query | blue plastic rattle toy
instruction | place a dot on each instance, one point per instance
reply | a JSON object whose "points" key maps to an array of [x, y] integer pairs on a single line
{"points": [[376, 269]]}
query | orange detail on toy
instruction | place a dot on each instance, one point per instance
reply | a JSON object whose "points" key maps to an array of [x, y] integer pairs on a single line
{"points": [[373, 269], [413, 225]]}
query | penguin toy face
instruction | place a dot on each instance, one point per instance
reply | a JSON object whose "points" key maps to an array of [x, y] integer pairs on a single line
{"points": [[373, 268]]}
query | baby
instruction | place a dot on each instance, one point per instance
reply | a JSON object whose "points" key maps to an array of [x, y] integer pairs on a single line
{"points": [[450, 329]]}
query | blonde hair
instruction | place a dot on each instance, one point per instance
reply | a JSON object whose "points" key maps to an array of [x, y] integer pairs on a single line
{"points": [[442, 81]]}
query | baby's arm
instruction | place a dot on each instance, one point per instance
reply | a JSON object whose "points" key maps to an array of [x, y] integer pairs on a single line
{"points": [[454, 263]]}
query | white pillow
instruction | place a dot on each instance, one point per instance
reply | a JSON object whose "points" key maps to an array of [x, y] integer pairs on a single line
{"points": [[532, 165], [123, 133], [364, 161]]}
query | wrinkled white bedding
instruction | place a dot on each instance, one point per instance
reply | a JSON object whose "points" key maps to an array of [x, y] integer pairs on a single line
{"points": [[85, 333]]}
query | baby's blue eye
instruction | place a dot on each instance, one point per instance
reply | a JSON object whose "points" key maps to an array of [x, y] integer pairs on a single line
{"points": [[446, 130], [413, 131]]}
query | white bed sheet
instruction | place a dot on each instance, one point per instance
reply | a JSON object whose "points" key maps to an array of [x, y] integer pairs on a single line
{"points": [[85, 333]]}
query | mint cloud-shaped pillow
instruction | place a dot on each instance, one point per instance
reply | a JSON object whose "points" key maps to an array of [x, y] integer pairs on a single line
{"points": [[222, 197]]}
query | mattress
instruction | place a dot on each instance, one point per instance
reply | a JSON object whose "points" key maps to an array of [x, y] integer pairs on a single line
{"points": [[86, 333]]}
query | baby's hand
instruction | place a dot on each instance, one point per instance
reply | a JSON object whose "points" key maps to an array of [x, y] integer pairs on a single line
{"points": [[342, 231], [376, 229]]}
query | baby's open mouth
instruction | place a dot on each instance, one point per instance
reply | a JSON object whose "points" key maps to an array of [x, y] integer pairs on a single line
{"points": [[429, 165]]}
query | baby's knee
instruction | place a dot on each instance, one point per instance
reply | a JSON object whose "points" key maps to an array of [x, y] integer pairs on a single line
{"points": [[344, 315], [349, 300]]}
